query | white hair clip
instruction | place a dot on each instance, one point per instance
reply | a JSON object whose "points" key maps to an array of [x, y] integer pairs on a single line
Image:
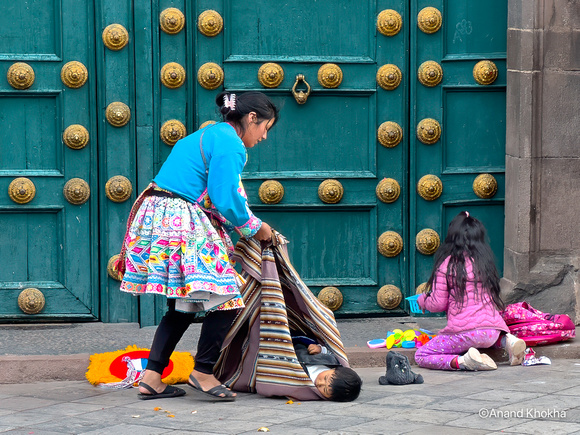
{"points": [[230, 102], [466, 213]]}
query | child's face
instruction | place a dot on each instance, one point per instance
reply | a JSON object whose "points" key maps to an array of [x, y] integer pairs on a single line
{"points": [[323, 381]]}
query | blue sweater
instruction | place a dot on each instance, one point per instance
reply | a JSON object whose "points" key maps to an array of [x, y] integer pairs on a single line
{"points": [[220, 191]]}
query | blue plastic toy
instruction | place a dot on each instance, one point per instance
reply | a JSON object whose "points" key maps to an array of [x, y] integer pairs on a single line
{"points": [[414, 305]]}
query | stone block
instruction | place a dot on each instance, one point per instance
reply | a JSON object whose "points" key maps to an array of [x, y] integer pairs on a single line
{"points": [[562, 48], [516, 268], [559, 217], [55, 368], [522, 49], [518, 199], [560, 14], [550, 287], [521, 14], [519, 113], [560, 107]]}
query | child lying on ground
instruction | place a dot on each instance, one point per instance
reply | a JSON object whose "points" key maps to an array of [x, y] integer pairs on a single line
{"points": [[259, 354], [333, 381]]}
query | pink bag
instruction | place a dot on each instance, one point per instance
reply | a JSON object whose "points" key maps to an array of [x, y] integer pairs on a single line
{"points": [[536, 327]]}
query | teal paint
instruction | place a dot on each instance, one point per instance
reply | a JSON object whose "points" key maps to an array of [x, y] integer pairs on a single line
{"points": [[48, 243], [117, 152], [472, 118], [66, 248]]}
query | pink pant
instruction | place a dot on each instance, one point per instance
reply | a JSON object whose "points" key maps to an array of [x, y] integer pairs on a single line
{"points": [[442, 349]]}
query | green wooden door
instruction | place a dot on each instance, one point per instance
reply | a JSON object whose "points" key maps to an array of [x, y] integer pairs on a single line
{"points": [[371, 245], [68, 156], [348, 158], [122, 57], [322, 153], [468, 105], [48, 242], [348, 133]]}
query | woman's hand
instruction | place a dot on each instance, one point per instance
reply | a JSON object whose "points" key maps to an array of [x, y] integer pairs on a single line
{"points": [[264, 233], [314, 349]]}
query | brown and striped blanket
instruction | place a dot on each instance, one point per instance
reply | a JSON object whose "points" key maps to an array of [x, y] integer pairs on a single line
{"points": [[258, 355]]}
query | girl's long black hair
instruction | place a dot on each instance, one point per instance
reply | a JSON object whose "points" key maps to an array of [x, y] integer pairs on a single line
{"points": [[466, 237], [245, 103]]}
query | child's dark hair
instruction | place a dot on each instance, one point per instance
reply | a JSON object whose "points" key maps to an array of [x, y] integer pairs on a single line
{"points": [[245, 103], [345, 385], [466, 237]]}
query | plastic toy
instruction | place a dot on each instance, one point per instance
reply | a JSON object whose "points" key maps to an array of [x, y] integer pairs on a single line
{"points": [[398, 338], [377, 343], [414, 305]]}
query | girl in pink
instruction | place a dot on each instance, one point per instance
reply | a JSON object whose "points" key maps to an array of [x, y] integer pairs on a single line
{"points": [[465, 284]]}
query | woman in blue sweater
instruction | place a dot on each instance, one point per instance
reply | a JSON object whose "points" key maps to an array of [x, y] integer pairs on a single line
{"points": [[177, 241]]}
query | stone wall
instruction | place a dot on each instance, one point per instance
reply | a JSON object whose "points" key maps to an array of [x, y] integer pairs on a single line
{"points": [[542, 225]]}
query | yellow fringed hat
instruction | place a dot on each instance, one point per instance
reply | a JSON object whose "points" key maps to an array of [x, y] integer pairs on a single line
{"points": [[121, 368]]}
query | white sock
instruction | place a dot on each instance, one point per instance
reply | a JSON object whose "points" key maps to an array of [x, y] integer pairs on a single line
{"points": [[460, 362]]}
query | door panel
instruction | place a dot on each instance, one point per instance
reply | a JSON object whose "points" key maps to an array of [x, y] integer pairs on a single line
{"points": [[48, 243], [392, 161], [317, 143], [348, 235], [33, 123], [333, 135], [337, 134], [472, 120], [21, 22], [469, 121], [117, 132], [280, 30]]}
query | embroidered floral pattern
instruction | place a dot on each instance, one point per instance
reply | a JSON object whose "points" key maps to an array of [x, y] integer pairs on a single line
{"points": [[174, 250], [251, 227], [247, 230]]}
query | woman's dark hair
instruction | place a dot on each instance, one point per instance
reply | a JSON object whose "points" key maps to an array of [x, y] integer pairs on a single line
{"points": [[245, 103], [467, 238], [345, 385]]}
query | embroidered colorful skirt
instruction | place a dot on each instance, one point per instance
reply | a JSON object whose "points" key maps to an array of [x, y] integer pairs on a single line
{"points": [[172, 249]]}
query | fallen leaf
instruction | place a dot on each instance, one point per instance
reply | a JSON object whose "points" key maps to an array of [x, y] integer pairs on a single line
{"points": [[135, 416], [263, 429], [157, 408], [194, 412], [290, 402], [171, 416]]}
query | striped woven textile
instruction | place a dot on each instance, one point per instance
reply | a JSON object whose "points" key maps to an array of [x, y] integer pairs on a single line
{"points": [[258, 355]]}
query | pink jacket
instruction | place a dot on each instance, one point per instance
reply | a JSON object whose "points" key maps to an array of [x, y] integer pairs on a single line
{"points": [[476, 312]]}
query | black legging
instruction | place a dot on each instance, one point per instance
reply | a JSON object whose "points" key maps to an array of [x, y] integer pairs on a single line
{"points": [[172, 327]]}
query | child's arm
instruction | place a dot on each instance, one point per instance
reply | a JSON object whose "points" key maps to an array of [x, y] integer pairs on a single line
{"points": [[315, 349], [438, 300]]}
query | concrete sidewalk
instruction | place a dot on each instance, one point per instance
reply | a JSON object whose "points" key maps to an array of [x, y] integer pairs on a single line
{"points": [[43, 352], [515, 400]]}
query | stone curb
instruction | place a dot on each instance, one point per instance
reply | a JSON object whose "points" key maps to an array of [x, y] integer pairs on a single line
{"points": [[37, 368], [364, 357], [17, 369]]}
